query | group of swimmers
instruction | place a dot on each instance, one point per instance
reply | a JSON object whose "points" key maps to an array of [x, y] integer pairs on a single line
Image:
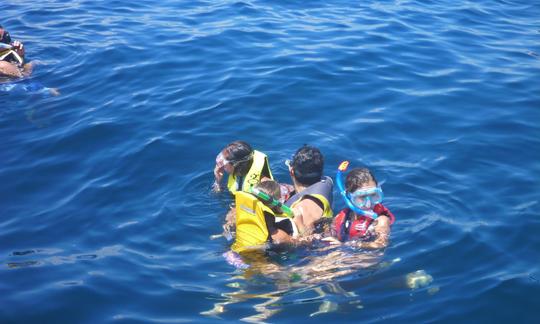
{"points": [[267, 212]]}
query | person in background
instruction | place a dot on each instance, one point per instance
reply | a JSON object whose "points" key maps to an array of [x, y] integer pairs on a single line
{"points": [[12, 59]]}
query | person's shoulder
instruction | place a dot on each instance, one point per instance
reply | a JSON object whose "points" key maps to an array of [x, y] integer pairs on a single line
{"points": [[327, 179], [383, 220], [311, 201]]}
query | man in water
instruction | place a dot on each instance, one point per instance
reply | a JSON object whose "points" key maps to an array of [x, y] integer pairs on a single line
{"points": [[12, 63], [312, 196]]}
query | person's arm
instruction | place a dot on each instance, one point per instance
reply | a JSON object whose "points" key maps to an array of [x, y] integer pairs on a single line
{"points": [[382, 232], [18, 47], [307, 212], [277, 235], [230, 218], [230, 223], [281, 237], [218, 176], [27, 70], [9, 70]]}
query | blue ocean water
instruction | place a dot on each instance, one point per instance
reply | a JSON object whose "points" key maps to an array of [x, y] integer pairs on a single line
{"points": [[106, 214]]}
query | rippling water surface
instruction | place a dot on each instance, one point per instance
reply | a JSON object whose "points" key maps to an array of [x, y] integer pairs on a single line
{"points": [[106, 214]]}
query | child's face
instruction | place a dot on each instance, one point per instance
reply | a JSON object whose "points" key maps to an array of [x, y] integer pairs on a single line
{"points": [[367, 196]]}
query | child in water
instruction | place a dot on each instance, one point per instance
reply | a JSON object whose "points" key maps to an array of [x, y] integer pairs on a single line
{"points": [[366, 223], [280, 229]]}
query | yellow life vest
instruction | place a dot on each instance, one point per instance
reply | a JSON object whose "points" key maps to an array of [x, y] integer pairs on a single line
{"points": [[327, 210], [251, 229], [253, 177]]}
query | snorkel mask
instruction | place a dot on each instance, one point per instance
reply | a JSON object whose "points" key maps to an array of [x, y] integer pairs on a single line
{"points": [[361, 201], [221, 161]]}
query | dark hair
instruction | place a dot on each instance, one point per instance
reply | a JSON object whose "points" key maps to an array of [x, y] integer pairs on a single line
{"points": [[307, 164], [271, 188], [6, 38], [240, 154], [357, 178]]}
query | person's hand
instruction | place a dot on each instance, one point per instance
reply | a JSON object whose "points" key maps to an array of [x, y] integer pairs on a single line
{"points": [[286, 190], [218, 176], [228, 230], [354, 243], [216, 187], [18, 47], [331, 240]]}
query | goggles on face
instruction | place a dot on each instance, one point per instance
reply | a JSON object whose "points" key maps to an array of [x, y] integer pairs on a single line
{"points": [[221, 161], [366, 197], [348, 196]]}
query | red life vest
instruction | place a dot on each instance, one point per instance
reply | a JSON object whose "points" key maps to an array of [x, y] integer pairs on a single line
{"points": [[346, 228]]}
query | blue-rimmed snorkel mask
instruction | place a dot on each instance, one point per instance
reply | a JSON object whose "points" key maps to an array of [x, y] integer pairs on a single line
{"points": [[361, 201]]}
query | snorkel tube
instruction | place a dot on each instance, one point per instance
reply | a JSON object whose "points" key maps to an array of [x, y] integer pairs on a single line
{"points": [[272, 202], [340, 183]]}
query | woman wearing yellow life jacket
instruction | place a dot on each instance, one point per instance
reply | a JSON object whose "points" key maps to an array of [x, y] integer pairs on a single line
{"points": [[246, 167]]}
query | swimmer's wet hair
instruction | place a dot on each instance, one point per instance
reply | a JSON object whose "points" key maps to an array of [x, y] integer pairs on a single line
{"points": [[357, 178], [240, 154], [308, 164], [270, 187]]}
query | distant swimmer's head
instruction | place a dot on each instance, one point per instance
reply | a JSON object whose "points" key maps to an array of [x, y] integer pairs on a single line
{"points": [[363, 189], [4, 36], [306, 166], [236, 158], [272, 189]]}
